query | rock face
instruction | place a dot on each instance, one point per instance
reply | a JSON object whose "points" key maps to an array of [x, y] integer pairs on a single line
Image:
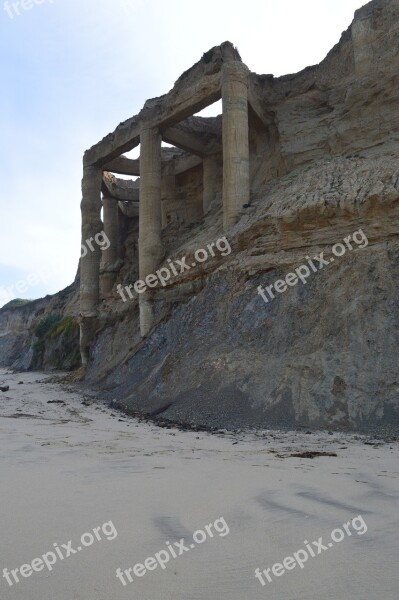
{"points": [[42, 334], [324, 148], [15, 325], [344, 105], [323, 353]]}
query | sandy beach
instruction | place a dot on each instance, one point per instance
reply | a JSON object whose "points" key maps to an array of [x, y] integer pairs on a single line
{"points": [[70, 465]]}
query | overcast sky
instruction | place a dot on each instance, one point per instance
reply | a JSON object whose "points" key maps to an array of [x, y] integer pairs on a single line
{"points": [[71, 70]]}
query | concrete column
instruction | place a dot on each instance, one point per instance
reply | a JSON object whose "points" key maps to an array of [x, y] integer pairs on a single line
{"points": [[110, 256], [90, 260], [235, 141], [151, 250], [209, 178], [168, 190]]}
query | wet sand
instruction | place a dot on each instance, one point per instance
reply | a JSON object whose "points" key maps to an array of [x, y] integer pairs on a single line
{"points": [[69, 467]]}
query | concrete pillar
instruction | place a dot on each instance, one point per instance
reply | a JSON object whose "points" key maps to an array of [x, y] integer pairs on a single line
{"points": [[210, 181], [168, 188], [90, 259], [235, 141], [151, 250], [110, 256]]}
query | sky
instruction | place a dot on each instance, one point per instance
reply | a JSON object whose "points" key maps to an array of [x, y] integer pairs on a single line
{"points": [[72, 70]]}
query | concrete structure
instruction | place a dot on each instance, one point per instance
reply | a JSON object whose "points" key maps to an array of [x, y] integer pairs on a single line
{"points": [[212, 151], [235, 141], [110, 256]]}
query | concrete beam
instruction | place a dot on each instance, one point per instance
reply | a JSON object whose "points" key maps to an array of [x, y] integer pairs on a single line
{"points": [[187, 102], [196, 135], [124, 166], [196, 89], [120, 189], [127, 166], [125, 137]]}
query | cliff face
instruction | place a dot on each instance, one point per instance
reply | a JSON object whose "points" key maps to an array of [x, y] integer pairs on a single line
{"points": [[321, 353], [15, 323], [41, 334], [323, 166], [324, 148], [344, 105]]}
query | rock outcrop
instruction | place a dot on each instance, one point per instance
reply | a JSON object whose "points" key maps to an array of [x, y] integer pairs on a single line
{"points": [[322, 353], [41, 334]]}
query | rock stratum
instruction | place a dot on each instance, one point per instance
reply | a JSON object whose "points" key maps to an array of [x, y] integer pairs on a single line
{"points": [[324, 164]]}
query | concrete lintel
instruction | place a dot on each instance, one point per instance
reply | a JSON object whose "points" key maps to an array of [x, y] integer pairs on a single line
{"points": [[182, 161], [195, 89], [124, 166], [188, 102], [167, 113], [120, 189], [201, 136], [125, 137]]}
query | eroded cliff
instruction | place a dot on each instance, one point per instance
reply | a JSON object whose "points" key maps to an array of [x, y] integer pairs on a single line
{"points": [[324, 148], [321, 353]]}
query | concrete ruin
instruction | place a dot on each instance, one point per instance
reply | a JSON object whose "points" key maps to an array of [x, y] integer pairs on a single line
{"points": [[269, 126], [202, 146]]}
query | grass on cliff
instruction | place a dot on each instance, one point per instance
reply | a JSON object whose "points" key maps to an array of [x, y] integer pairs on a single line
{"points": [[46, 325], [57, 343], [15, 303]]}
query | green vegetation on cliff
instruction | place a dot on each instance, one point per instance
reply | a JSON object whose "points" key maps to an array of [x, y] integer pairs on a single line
{"points": [[57, 343]]}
